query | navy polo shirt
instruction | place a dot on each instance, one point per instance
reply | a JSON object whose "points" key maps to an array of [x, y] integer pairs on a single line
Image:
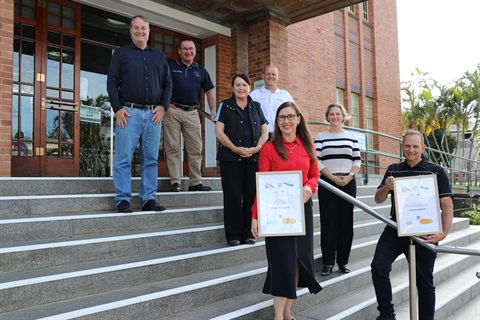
{"points": [[188, 82], [138, 76], [424, 167]]}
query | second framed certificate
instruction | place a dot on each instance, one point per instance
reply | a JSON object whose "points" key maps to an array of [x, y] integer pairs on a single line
{"points": [[280, 203], [417, 205]]}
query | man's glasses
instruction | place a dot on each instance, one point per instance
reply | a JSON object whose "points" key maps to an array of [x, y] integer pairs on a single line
{"points": [[290, 117], [188, 49]]}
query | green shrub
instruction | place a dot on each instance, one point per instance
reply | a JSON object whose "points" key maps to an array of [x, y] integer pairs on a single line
{"points": [[473, 214]]}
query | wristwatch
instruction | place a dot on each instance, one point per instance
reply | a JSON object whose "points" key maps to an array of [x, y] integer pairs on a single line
{"points": [[352, 174]]}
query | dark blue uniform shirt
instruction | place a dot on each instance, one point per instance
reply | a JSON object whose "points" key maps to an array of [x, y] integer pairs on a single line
{"points": [[189, 82], [139, 76]]}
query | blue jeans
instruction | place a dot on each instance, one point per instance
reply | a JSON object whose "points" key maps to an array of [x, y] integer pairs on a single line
{"points": [[140, 129], [389, 247]]}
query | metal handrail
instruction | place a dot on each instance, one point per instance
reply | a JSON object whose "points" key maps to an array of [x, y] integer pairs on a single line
{"points": [[471, 174], [393, 224], [412, 261]]}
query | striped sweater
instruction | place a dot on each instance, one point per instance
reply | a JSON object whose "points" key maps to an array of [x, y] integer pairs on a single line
{"points": [[338, 152]]}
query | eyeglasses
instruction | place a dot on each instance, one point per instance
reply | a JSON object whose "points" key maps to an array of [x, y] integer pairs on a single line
{"points": [[188, 49], [290, 117]]}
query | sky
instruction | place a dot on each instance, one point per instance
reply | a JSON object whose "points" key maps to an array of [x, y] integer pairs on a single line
{"points": [[441, 37]]}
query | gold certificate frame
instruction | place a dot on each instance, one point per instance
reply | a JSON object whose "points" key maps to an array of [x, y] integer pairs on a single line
{"points": [[280, 203], [417, 205]]}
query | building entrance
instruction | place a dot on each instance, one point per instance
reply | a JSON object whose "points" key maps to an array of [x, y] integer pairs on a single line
{"points": [[45, 90], [62, 120]]}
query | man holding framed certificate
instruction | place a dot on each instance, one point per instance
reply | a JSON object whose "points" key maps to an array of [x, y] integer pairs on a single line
{"points": [[391, 245]]}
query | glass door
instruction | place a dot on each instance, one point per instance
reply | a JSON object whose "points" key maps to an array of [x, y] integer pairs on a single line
{"points": [[45, 117]]}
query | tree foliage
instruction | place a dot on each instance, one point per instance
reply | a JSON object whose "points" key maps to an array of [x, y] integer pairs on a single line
{"points": [[433, 109]]}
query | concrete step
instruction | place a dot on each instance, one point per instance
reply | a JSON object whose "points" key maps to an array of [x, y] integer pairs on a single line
{"points": [[20, 206], [105, 237], [98, 278], [72, 256], [361, 303], [74, 225], [340, 292], [38, 205], [21, 186]]}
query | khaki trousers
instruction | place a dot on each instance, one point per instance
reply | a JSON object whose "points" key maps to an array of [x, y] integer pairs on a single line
{"points": [[176, 121]]}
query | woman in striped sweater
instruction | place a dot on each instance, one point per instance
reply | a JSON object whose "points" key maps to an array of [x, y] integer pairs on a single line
{"points": [[339, 160]]}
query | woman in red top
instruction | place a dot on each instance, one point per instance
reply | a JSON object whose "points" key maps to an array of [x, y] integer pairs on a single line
{"points": [[290, 258]]}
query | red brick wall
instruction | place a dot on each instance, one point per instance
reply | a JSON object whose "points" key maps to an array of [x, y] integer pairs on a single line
{"points": [[312, 66], [6, 74], [387, 105]]}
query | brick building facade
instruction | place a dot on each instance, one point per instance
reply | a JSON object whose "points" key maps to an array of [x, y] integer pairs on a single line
{"points": [[339, 51]]}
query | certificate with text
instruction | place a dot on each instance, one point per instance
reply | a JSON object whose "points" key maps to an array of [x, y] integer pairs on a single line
{"points": [[417, 205], [280, 203]]}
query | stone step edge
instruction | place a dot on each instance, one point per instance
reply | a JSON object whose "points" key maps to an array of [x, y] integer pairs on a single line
{"points": [[99, 195], [232, 315], [57, 217], [42, 279], [350, 311]]}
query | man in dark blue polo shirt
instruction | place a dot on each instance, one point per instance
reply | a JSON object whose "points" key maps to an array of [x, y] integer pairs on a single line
{"points": [[139, 86], [189, 80], [390, 245]]}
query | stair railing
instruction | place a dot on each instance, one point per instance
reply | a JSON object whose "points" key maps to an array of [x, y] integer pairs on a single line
{"points": [[464, 174], [412, 260]]}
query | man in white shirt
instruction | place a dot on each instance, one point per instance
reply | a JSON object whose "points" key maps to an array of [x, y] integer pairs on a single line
{"points": [[270, 96]]}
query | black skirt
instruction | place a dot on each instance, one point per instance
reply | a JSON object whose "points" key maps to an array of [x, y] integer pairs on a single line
{"points": [[283, 253]]}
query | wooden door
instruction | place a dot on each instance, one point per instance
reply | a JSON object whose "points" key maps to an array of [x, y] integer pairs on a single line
{"points": [[45, 117]]}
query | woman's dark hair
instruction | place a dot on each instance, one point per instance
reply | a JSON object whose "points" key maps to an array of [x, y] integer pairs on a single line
{"points": [[243, 76], [302, 132]]}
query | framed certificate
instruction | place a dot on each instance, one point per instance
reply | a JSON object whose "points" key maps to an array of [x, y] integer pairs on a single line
{"points": [[417, 205], [280, 203]]}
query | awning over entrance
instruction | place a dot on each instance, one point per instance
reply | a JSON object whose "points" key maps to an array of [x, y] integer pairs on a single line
{"points": [[204, 18], [228, 13]]}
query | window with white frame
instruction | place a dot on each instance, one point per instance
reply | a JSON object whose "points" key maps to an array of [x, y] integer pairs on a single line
{"points": [[365, 10], [340, 96], [369, 112], [355, 111]]}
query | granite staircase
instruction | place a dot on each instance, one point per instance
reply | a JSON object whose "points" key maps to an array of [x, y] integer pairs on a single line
{"points": [[65, 253]]}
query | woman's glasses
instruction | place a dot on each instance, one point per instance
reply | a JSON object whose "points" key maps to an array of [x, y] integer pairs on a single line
{"points": [[290, 117]]}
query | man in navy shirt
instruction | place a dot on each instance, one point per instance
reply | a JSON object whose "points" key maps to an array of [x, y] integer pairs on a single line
{"points": [[390, 245], [189, 80], [139, 86]]}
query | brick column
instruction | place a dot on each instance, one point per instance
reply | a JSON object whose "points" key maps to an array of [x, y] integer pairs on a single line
{"points": [[6, 74], [268, 44]]}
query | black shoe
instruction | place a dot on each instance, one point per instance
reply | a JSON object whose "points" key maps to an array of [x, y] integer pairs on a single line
{"points": [[199, 187], [233, 243], [124, 207], [151, 205], [343, 268], [249, 241], [175, 187], [384, 317], [327, 270]]}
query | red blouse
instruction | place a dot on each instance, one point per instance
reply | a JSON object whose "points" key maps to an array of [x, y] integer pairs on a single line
{"points": [[297, 160]]}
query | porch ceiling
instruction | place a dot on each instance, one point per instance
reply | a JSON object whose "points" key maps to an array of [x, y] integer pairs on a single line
{"points": [[232, 12]]}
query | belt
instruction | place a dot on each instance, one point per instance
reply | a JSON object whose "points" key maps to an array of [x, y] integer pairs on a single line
{"points": [[341, 174], [140, 106], [184, 107]]}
